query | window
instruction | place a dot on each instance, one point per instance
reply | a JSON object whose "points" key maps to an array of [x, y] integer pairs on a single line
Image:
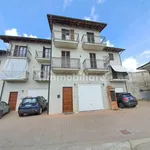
{"points": [[45, 71], [111, 56], [90, 37], [65, 59], [20, 51], [93, 60], [46, 52], [65, 34]]}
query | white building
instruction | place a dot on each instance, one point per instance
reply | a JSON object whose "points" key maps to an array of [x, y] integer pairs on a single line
{"points": [[83, 66]]}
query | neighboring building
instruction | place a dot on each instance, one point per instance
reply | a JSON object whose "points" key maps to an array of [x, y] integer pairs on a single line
{"points": [[145, 67], [25, 69], [83, 67]]}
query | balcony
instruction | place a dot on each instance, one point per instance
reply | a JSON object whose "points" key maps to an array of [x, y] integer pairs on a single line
{"points": [[65, 65], [42, 57], [41, 76], [14, 76], [119, 77], [68, 41], [21, 55], [93, 42], [96, 66]]}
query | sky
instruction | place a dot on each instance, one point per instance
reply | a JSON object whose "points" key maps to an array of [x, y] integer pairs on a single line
{"points": [[128, 22]]}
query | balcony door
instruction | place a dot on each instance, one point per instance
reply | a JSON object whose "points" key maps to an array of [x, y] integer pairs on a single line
{"points": [[90, 37], [65, 59], [46, 52], [20, 51], [45, 71], [93, 63], [65, 34]]}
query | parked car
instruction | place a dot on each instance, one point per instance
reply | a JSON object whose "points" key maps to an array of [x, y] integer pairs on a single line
{"points": [[32, 105], [126, 100], [4, 108]]}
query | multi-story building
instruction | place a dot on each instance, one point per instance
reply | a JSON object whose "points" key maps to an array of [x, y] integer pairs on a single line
{"points": [[85, 72], [25, 68]]}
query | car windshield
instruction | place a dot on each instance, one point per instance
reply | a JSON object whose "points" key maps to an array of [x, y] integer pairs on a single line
{"points": [[29, 100], [127, 95]]}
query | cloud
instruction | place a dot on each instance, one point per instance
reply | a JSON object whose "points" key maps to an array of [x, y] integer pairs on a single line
{"points": [[130, 64], [31, 36], [93, 16], [14, 32], [146, 53], [109, 44], [100, 1], [66, 3]]}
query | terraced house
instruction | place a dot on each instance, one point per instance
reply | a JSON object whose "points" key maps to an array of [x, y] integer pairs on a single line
{"points": [[85, 73]]}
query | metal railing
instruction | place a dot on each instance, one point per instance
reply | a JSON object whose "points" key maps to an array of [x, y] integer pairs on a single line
{"points": [[93, 39], [73, 63], [96, 64], [41, 54], [27, 54], [120, 75], [57, 35], [15, 75], [41, 75]]}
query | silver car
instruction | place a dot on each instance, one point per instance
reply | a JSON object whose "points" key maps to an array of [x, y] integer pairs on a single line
{"points": [[4, 108]]}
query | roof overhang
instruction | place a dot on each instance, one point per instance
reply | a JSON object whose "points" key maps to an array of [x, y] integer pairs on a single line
{"points": [[80, 23], [118, 68], [145, 67], [113, 49], [8, 39]]}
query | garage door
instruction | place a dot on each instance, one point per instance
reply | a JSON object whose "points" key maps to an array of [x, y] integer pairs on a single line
{"points": [[90, 97], [38, 92]]}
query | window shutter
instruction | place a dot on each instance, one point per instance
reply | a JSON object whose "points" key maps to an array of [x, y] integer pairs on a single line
{"points": [[43, 52], [16, 50], [72, 34]]}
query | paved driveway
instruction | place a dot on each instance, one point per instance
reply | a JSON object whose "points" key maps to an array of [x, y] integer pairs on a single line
{"points": [[58, 131]]}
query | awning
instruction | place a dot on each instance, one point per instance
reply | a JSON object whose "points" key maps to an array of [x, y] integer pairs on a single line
{"points": [[118, 68]]}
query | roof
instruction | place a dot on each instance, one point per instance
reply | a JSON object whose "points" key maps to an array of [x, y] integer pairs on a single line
{"points": [[54, 19], [113, 49], [118, 68], [145, 66], [8, 39]]}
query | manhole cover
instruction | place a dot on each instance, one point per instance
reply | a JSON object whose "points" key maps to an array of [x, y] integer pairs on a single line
{"points": [[125, 132]]}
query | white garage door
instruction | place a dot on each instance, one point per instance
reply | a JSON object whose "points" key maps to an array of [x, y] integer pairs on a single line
{"points": [[90, 97], [38, 92]]}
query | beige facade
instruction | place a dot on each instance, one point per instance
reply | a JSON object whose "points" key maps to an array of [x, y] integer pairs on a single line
{"points": [[76, 72]]}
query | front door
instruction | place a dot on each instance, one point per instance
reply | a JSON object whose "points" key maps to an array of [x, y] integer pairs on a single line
{"points": [[67, 99], [13, 100]]}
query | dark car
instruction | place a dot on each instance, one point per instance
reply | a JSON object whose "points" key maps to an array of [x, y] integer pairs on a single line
{"points": [[32, 105], [126, 100], [4, 108]]}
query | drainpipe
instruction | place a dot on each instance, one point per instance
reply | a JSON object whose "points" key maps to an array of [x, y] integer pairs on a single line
{"points": [[50, 66], [2, 90]]}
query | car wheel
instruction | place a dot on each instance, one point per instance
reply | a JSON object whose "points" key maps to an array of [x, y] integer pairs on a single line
{"points": [[20, 115], [40, 111], [121, 105], [1, 114], [9, 110]]}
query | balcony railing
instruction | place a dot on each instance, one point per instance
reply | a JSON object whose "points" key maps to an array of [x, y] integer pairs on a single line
{"points": [[98, 66], [65, 41], [15, 75], [42, 57], [93, 42], [41, 75], [120, 76], [65, 64], [26, 54]]}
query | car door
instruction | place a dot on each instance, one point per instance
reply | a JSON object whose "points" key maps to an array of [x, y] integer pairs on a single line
{"points": [[5, 107]]}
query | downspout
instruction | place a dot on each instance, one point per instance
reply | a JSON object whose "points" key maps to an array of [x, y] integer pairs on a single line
{"points": [[125, 83], [50, 65], [2, 90]]}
